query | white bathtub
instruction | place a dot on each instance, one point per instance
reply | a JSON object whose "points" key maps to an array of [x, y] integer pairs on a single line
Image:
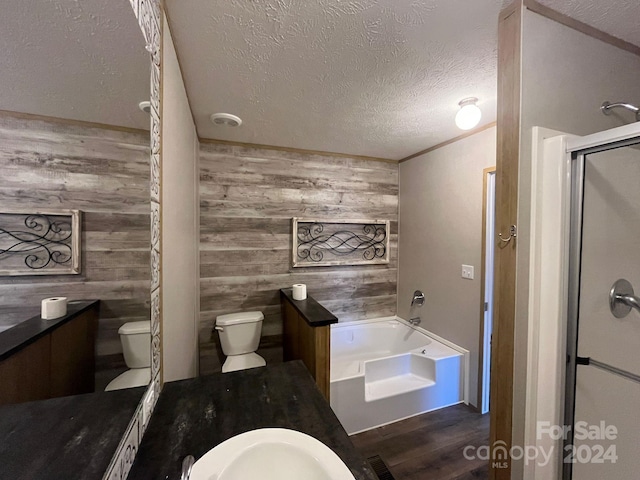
{"points": [[384, 370]]}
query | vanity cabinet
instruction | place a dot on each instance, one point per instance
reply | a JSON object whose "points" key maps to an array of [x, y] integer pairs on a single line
{"points": [[49, 358], [195, 415], [73, 362], [21, 374]]}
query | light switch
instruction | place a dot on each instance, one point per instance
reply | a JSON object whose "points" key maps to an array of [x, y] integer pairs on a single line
{"points": [[467, 272]]}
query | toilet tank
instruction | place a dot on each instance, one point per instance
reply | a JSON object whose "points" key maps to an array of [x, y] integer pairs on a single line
{"points": [[136, 343], [239, 332]]}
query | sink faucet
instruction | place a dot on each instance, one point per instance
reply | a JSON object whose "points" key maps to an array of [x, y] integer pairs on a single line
{"points": [[187, 465], [416, 301]]}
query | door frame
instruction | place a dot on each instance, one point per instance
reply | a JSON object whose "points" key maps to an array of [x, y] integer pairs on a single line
{"points": [[483, 271], [546, 337]]}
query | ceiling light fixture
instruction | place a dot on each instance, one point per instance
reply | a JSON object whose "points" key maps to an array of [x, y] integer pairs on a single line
{"points": [[469, 114], [226, 119]]}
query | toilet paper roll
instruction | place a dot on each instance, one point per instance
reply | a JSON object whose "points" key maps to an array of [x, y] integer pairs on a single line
{"points": [[299, 291], [54, 307]]}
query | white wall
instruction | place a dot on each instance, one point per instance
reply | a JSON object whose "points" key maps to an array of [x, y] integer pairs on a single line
{"points": [[180, 223], [566, 75], [440, 228]]}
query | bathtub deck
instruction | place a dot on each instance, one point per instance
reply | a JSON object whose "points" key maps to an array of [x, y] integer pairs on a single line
{"points": [[396, 385], [350, 366]]}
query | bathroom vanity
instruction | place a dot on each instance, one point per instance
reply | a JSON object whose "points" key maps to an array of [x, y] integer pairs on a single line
{"points": [[193, 416], [41, 359], [65, 438], [76, 437]]}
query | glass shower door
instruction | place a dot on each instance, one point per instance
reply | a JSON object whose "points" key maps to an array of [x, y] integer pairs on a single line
{"points": [[606, 425]]}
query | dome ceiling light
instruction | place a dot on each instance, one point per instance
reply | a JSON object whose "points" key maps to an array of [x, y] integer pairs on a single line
{"points": [[469, 114]]}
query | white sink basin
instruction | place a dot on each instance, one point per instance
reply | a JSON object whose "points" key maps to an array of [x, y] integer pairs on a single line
{"points": [[271, 454]]}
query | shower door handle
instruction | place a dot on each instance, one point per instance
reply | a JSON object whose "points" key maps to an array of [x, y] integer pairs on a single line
{"points": [[629, 300], [622, 299]]}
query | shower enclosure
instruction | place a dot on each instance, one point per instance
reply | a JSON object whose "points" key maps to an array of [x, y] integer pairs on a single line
{"points": [[583, 387], [603, 327]]}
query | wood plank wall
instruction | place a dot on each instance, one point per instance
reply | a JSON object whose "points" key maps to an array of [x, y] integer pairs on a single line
{"points": [[104, 173], [247, 199]]}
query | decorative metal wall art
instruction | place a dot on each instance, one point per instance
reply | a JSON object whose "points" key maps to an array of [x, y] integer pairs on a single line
{"points": [[40, 243], [319, 243]]}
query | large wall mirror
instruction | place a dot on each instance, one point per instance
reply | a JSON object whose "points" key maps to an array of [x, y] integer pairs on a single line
{"points": [[73, 136]]}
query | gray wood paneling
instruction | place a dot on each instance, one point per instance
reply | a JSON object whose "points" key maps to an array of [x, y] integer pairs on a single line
{"points": [[104, 173], [247, 199]]}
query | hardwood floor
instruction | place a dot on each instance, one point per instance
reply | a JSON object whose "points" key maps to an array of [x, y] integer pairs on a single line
{"points": [[430, 446]]}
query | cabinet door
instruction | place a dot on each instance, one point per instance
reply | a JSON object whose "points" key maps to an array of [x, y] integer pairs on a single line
{"points": [[72, 357], [25, 374]]}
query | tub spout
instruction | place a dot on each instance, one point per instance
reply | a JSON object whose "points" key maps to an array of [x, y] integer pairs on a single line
{"points": [[415, 321]]}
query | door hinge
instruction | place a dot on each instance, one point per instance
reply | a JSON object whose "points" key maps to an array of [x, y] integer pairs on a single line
{"points": [[486, 306]]}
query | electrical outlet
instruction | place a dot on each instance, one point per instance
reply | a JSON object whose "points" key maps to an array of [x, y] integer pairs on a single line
{"points": [[147, 405], [467, 272]]}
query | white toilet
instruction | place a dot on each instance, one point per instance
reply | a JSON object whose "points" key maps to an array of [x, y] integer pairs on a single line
{"points": [[240, 336], [136, 348]]}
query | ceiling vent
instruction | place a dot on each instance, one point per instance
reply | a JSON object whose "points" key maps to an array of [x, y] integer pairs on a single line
{"points": [[145, 106], [226, 119]]}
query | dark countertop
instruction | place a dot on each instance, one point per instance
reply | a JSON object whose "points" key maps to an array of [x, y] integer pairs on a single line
{"points": [[65, 438], [25, 333], [193, 416], [314, 313]]}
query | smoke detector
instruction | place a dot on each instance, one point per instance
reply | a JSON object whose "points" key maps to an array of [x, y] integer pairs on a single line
{"points": [[145, 106], [226, 119]]}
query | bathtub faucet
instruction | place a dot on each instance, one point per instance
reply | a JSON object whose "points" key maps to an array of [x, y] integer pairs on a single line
{"points": [[418, 301], [418, 298]]}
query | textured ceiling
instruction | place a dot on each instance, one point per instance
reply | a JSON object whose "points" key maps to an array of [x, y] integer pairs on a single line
{"points": [[74, 59], [369, 77], [620, 18]]}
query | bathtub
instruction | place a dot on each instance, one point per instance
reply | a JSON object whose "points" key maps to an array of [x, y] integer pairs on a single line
{"points": [[384, 370]]}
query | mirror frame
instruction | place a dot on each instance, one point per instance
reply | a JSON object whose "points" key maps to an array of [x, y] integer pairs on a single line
{"points": [[149, 16]]}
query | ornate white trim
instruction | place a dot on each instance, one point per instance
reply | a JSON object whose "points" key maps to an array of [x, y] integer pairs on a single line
{"points": [[127, 450], [149, 15]]}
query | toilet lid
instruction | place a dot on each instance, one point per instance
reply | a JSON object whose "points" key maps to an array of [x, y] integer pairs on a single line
{"points": [[136, 377], [242, 317], [133, 328]]}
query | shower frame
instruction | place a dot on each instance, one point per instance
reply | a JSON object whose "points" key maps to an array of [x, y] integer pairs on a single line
{"points": [[556, 193], [577, 151]]}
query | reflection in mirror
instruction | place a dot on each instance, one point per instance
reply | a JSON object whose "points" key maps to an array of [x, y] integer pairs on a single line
{"points": [[72, 137]]}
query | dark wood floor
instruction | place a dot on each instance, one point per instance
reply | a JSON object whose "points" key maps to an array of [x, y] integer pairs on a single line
{"points": [[430, 446]]}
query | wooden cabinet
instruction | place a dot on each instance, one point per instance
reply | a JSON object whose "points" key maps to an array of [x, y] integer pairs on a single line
{"points": [[307, 337], [59, 363], [73, 362], [21, 375]]}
